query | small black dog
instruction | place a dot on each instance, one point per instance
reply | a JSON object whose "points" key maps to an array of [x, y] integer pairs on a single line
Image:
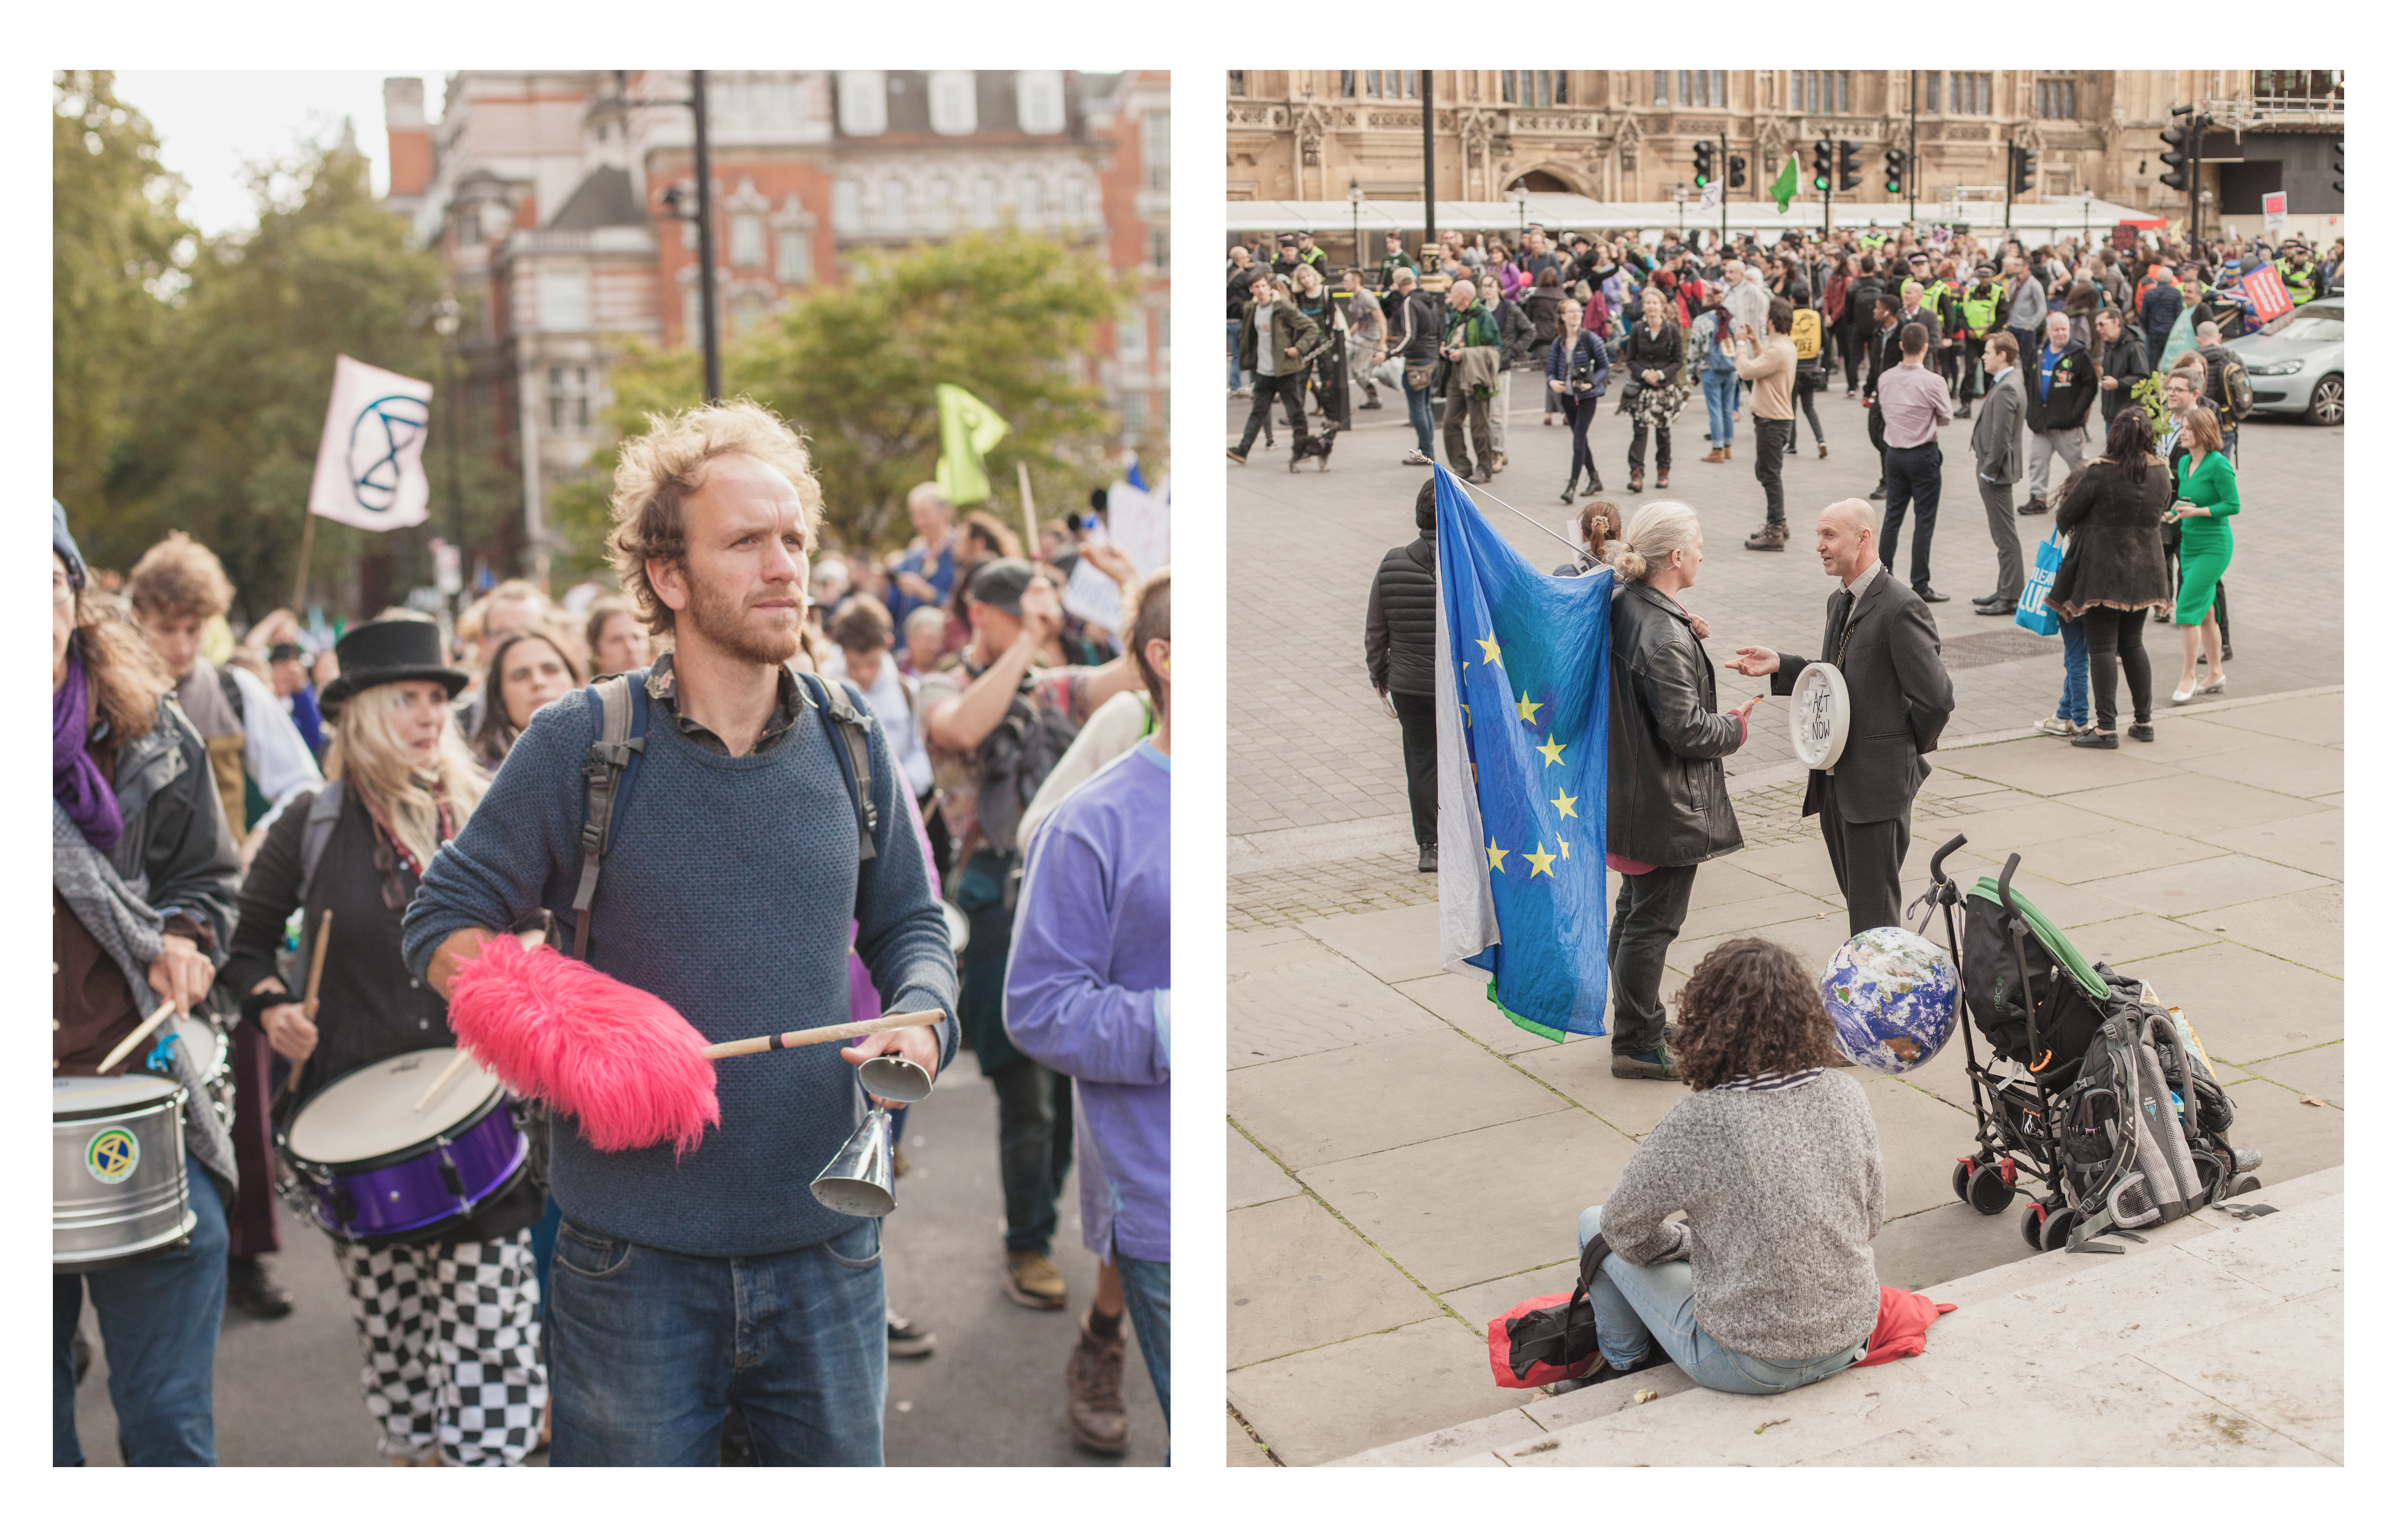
{"points": [[1318, 446]]}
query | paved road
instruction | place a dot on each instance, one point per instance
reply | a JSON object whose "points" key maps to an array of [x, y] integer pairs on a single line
{"points": [[993, 1393], [1311, 750]]}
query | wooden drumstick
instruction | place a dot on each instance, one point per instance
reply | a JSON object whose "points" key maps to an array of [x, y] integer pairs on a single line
{"points": [[458, 1065], [141, 1033], [822, 1034], [308, 1005]]}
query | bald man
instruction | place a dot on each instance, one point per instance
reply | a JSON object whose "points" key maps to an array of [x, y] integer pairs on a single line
{"points": [[1880, 637]]}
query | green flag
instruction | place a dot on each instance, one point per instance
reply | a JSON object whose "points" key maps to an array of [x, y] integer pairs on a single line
{"points": [[969, 429], [1787, 186]]}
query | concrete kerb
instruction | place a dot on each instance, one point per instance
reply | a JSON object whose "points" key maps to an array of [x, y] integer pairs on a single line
{"points": [[1848, 1418]]}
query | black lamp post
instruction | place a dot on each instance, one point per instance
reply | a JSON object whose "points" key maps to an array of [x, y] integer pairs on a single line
{"points": [[702, 214], [445, 326]]}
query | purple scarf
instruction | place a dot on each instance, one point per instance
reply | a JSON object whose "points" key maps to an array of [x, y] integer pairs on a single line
{"points": [[75, 780]]}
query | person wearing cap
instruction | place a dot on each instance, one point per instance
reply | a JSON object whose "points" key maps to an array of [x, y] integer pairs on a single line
{"points": [[994, 726], [1313, 255], [1980, 308], [141, 901], [742, 852], [453, 1369]]}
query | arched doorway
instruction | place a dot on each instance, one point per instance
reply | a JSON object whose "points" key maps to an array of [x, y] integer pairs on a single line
{"points": [[1538, 181]]}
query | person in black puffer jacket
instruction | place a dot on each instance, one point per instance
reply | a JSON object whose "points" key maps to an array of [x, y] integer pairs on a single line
{"points": [[1400, 640]]}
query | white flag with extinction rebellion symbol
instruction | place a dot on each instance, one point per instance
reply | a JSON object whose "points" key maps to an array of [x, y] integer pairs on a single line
{"points": [[370, 464]]}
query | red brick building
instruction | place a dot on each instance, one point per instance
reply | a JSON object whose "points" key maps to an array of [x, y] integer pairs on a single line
{"points": [[547, 194]]}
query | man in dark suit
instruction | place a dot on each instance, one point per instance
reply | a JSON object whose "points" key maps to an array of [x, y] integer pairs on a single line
{"points": [[1881, 638], [1999, 463]]}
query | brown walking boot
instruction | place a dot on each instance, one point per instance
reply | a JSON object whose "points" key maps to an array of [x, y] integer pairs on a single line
{"points": [[1770, 537], [1096, 1389]]}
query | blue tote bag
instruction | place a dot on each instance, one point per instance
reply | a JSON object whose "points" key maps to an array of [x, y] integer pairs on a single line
{"points": [[2033, 605]]}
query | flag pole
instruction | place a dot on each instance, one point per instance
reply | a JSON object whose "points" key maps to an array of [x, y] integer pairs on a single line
{"points": [[308, 537], [1033, 543], [1580, 551]]}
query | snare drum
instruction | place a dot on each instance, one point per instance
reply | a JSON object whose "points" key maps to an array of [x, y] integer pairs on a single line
{"points": [[118, 1192], [380, 1169], [210, 1041]]}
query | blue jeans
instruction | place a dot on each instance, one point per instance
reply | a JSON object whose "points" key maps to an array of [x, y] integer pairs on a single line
{"points": [[1420, 414], [1718, 384], [1233, 354], [158, 1324], [1635, 1304], [649, 1348], [2075, 704], [1148, 1297]]}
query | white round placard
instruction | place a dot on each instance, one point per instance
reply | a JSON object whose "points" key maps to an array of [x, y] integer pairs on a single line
{"points": [[1820, 715]]}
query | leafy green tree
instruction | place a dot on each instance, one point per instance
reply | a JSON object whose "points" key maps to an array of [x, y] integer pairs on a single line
{"points": [[117, 253], [1007, 316], [233, 410]]}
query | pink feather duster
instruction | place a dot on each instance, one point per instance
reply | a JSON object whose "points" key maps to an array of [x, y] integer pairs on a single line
{"points": [[620, 1060]]}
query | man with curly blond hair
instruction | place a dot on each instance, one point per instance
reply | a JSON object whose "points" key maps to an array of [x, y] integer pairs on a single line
{"points": [[734, 874]]}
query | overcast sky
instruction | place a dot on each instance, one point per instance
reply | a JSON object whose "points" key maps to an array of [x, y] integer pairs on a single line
{"points": [[210, 122]]}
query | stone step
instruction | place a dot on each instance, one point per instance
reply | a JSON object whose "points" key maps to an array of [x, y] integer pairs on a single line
{"points": [[2217, 1341]]}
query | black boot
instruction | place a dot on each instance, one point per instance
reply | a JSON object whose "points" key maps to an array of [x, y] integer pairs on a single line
{"points": [[1429, 858], [250, 1288], [1568, 494]]}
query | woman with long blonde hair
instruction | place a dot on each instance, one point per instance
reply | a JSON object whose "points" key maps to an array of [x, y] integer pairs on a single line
{"points": [[446, 1323]]}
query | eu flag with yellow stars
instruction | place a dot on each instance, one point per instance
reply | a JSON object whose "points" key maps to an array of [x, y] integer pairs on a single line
{"points": [[1521, 717]]}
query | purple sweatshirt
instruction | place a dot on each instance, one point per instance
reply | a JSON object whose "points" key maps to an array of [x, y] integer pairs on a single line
{"points": [[1089, 986]]}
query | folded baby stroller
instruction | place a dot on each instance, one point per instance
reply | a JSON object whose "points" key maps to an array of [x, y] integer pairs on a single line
{"points": [[2096, 1088]]}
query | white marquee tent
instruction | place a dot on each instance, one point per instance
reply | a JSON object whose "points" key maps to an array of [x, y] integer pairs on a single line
{"points": [[2047, 219]]}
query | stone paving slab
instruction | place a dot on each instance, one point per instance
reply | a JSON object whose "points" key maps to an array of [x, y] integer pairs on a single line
{"points": [[1296, 1278], [1334, 1105], [2312, 842], [1319, 1405], [1513, 1217], [2204, 885], [1251, 1177]]}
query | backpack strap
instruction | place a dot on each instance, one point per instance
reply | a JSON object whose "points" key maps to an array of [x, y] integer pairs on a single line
{"points": [[608, 765], [233, 696], [846, 723], [323, 813]]}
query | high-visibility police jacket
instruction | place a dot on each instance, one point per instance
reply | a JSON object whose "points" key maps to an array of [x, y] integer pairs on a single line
{"points": [[2298, 279], [1982, 306]]}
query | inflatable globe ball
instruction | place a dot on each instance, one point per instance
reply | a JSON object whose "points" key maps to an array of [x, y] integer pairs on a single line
{"points": [[1893, 996]]}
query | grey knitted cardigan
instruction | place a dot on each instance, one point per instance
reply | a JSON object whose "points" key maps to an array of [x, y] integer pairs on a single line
{"points": [[1783, 1192]]}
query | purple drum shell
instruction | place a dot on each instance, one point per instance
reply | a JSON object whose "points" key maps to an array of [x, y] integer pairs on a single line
{"points": [[410, 1194]]}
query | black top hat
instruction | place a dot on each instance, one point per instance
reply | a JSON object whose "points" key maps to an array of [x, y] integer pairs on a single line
{"points": [[391, 651]]}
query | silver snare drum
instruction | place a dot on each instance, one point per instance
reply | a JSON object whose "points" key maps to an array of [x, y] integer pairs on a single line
{"points": [[209, 1038], [117, 1191]]}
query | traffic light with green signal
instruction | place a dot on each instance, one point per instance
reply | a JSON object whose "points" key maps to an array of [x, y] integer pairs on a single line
{"points": [[1704, 160], [1850, 174], [1895, 170], [1824, 165]]}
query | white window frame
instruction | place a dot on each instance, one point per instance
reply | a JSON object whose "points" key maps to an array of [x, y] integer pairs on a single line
{"points": [[891, 213], [746, 240], [1042, 100], [862, 92], [564, 295], [1033, 202], [950, 100]]}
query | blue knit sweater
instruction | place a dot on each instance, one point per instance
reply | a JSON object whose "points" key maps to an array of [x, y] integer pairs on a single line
{"points": [[728, 891]]}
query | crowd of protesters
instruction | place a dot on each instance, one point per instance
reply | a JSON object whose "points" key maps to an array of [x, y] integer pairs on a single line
{"points": [[1918, 332], [219, 788]]}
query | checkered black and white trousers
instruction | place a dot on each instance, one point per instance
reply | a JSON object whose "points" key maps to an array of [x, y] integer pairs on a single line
{"points": [[453, 1355]]}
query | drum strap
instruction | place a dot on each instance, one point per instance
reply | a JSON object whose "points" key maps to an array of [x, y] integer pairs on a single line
{"points": [[323, 813]]}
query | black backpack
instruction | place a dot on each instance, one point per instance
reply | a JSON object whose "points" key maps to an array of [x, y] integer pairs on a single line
{"points": [[1017, 756]]}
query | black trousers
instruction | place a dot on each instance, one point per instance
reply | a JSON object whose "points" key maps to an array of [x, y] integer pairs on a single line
{"points": [[1649, 915], [1265, 390], [1772, 436], [2114, 636], [1804, 397], [1875, 435], [1911, 476], [1970, 373], [1417, 755], [1579, 422], [1641, 438], [1852, 349], [1866, 862]]}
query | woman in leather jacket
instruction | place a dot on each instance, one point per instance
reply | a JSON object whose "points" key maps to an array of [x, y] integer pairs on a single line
{"points": [[1667, 806]]}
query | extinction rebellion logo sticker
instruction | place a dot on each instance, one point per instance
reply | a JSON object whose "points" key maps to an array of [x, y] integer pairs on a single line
{"points": [[113, 1156]]}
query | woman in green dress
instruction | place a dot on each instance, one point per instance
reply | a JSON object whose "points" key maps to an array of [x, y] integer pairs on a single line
{"points": [[2206, 499]]}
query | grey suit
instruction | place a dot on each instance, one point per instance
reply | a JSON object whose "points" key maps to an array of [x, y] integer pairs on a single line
{"points": [[1900, 699], [1999, 464]]}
